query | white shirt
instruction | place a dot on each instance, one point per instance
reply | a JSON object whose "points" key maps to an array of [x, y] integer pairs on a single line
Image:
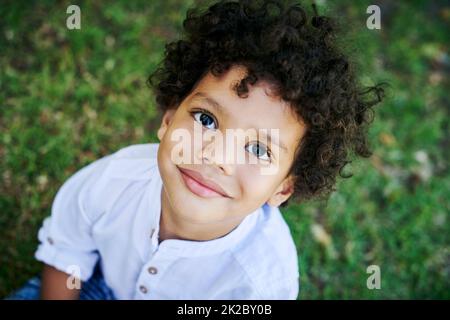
{"points": [[110, 210]]}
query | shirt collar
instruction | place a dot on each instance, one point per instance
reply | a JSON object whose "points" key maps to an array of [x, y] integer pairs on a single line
{"points": [[190, 248]]}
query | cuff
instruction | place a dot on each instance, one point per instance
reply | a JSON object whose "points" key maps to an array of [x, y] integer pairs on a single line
{"points": [[79, 264]]}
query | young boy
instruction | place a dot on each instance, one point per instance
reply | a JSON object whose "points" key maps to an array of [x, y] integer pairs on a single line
{"points": [[177, 220]]}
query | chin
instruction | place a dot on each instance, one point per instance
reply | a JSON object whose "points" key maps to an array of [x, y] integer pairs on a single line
{"points": [[196, 211]]}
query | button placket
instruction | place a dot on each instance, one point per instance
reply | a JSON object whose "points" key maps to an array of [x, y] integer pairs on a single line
{"points": [[143, 289], [152, 270], [146, 285]]}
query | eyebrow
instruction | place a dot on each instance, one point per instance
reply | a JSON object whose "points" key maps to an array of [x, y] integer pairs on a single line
{"points": [[211, 101], [221, 109]]}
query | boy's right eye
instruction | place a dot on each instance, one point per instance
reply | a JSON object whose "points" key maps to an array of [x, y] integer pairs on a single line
{"points": [[205, 119]]}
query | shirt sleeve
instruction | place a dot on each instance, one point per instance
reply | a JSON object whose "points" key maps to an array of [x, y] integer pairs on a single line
{"points": [[284, 290], [287, 289], [66, 241]]}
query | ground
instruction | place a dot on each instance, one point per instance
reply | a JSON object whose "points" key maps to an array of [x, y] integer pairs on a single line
{"points": [[67, 97]]}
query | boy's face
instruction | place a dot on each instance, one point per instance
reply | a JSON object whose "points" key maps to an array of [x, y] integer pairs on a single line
{"points": [[236, 188]]}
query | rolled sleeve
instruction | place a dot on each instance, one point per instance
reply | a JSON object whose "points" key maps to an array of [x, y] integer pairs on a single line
{"points": [[66, 241]]}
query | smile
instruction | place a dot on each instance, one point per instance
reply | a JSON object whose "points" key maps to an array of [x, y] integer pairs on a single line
{"points": [[196, 185]]}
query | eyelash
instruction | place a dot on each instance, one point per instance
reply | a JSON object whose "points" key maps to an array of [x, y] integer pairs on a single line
{"points": [[200, 110], [269, 153], [193, 112]]}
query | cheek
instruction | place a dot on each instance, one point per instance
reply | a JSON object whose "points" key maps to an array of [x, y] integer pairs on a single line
{"points": [[253, 184], [180, 130]]}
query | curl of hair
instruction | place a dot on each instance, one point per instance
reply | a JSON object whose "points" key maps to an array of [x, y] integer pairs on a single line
{"points": [[297, 53]]}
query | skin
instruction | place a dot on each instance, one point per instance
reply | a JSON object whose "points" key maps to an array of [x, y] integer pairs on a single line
{"points": [[210, 218], [53, 285]]}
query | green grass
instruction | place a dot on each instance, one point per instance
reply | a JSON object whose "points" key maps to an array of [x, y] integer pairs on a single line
{"points": [[69, 97]]}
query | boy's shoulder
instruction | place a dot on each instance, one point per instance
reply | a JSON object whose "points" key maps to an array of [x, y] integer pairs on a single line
{"points": [[269, 256], [138, 151], [132, 161], [102, 181]]}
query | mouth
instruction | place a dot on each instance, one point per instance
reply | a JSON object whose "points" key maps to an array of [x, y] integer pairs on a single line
{"points": [[200, 186]]}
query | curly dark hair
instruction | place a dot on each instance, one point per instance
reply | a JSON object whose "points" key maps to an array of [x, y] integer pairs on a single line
{"points": [[277, 41]]}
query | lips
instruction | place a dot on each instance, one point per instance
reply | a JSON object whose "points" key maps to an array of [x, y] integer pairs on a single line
{"points": [[200, 185]]}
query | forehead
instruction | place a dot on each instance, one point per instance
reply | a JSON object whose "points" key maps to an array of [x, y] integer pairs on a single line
{"points": [[259, 110]]}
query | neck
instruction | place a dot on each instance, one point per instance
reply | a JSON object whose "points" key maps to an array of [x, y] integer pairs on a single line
{"points": [[174, 226]]}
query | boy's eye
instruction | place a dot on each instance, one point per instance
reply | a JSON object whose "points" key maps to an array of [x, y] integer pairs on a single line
{"points": [[205, 119], [260, 150]]}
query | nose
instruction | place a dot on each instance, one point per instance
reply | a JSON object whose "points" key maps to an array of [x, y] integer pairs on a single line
{"points": [[213, 153]]}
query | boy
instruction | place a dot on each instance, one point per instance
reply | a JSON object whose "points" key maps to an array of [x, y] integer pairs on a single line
{"points": [[178, 220]]}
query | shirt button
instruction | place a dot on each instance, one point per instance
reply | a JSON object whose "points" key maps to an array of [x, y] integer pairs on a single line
{"points": [[152, 270], [143, 289], [50, 240]]}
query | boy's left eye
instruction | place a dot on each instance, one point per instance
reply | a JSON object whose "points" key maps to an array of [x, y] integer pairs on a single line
{"points": [[259, 150]]}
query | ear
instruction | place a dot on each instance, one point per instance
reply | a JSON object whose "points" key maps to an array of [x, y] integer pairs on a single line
{"points": [[283, 192], [165, 123]]}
